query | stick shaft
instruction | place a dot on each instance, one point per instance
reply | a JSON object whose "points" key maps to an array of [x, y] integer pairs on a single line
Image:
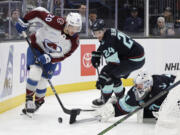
{"points": [[140, 107]]}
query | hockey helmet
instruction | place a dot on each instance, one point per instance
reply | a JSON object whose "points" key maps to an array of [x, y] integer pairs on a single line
{"points": [[98, 25], [41, 9], [74, 19], [143, 83], [144, 78]]}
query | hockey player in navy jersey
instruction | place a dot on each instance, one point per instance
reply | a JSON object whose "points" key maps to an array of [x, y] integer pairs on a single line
{"points": [[54, 42], [145, 88], [123, 55]]}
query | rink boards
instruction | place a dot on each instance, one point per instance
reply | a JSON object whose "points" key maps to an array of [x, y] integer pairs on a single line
{"points": [[76, 72]]}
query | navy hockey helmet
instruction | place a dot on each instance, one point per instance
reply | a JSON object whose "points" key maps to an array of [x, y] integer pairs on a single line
{"points": [[98, 25]]}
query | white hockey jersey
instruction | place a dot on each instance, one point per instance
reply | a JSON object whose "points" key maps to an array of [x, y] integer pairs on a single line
{"points": [[51, 38]]}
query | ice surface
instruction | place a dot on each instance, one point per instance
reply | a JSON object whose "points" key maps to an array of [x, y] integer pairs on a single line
{"points": [[45, 121]]}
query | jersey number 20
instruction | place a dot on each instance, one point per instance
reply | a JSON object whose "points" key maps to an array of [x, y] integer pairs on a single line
{"points": [[49, 17]]}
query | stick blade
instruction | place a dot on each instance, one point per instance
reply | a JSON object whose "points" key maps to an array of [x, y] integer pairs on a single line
{"points": [[74, 113]]}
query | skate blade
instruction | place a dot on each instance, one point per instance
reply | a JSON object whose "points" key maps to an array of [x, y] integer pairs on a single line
{"points": [[29, 115]]}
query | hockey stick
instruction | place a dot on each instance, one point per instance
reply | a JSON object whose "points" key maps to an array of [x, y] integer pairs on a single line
{"points": [[97, 71], [73, 112], [140, 107], [98, 77]]}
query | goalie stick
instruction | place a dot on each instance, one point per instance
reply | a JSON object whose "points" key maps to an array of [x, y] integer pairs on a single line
{"points": [[73, 112], [140, 107]]}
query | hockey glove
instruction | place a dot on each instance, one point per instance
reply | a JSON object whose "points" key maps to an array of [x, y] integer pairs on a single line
{"points": [[21, 26], [104, 79], [44, 59], [96, 56]]}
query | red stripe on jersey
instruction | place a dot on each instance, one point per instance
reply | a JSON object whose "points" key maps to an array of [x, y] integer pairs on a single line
{"points": [[136, 56], [53, 21]]}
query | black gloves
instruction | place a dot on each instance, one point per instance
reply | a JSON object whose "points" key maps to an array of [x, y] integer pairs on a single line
{"points": [[96, 56], [104, 79]]}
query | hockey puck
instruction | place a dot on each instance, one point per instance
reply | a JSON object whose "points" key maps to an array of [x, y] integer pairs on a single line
{"points": [[60, 120]]}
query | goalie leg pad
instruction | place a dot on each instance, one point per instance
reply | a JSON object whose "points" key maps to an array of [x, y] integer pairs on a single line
{"points": [[105, 112]]}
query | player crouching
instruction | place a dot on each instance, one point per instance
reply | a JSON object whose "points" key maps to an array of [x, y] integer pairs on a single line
{"points": [[145, 88], [55, 41]]}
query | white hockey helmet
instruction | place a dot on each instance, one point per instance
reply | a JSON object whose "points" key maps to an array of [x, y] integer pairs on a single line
{"points": [[41, 9], [74, 19], [144, 78], [143, 82]]}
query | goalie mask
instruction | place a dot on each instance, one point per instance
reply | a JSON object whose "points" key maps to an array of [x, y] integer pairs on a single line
{"points": [[143, 83]]}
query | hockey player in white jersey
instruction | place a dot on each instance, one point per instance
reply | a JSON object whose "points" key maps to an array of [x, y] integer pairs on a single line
{"points": [[55, 41]]}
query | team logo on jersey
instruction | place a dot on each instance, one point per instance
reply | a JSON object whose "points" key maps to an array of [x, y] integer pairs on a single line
{"points": [[60, 21], [51, 47]]}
